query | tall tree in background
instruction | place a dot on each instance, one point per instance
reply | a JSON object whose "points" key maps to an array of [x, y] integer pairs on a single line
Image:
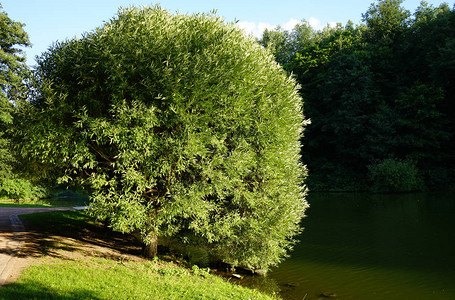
{"points": [[427, 56], [386, 20], [12, 72]]}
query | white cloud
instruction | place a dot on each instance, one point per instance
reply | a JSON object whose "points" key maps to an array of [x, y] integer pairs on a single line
{"points": [[315, 23], [289, 25], [332, 24], [256, 29]]}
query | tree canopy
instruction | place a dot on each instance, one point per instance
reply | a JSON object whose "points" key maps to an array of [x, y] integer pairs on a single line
{"points": [[378, 93], [13, 72], [180, 126], [12, 67]]}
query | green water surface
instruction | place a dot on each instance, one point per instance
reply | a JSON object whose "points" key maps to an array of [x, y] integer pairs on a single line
{"points": [[365, 246]]}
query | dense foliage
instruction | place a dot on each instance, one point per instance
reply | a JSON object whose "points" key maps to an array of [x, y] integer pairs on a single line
{"points": [[180, 126], [12, 88], [11, 62], [392, 175], [381, 91]]}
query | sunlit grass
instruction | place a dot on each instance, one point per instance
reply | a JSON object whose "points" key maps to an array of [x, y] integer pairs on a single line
{"points": [[96, 278]]}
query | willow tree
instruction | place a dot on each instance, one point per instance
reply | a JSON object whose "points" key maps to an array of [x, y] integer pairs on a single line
{"points": [[180, 126]]}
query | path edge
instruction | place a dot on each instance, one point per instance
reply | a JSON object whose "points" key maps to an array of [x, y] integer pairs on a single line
{"points": [[18, 230]]}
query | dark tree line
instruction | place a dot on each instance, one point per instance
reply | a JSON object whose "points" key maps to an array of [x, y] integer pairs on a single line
{"points": [[380, 96]]}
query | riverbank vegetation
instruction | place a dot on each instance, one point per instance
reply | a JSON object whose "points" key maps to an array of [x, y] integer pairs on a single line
{"points": [[380, 96]]}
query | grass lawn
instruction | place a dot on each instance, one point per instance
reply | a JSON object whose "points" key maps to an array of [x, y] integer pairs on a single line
{"points": [[77, 259], [98, 278]]}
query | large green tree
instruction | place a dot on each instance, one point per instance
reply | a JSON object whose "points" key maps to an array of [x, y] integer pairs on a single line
{"points": [[12, 73], [180, 126], [386, 20]]}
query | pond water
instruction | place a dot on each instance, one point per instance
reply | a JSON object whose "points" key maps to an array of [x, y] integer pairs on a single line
{"points": [[365, 246]]}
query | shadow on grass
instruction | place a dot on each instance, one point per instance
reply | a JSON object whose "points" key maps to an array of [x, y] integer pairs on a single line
{"points": [[68, 235], [35, 290], [53, 233]]}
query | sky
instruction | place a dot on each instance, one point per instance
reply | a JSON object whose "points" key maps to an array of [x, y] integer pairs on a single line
{"points": [[48, 21]]}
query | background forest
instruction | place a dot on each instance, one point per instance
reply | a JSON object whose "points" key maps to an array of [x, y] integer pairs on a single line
{"points": [[380, 97]]}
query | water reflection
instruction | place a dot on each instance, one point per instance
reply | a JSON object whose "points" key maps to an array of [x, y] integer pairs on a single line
{"points": [[364, 246]]}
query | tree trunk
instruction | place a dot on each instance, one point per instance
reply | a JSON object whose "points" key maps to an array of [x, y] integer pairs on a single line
{"points": [[150, 249], [106, 224]]}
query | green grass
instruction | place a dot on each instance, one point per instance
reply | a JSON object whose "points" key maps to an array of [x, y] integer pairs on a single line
{"points": [[92, 277], [97, 278]]}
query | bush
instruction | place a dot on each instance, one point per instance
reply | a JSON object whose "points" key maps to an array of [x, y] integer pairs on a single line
{"points": [[394, 175], [179, 125], [20, 189]]}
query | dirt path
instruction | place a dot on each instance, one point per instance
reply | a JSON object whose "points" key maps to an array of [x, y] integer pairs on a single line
{"points": [[12, 237]]}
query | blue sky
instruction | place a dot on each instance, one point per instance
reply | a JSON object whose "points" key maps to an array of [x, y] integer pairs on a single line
{"points": [[48, 21]]}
